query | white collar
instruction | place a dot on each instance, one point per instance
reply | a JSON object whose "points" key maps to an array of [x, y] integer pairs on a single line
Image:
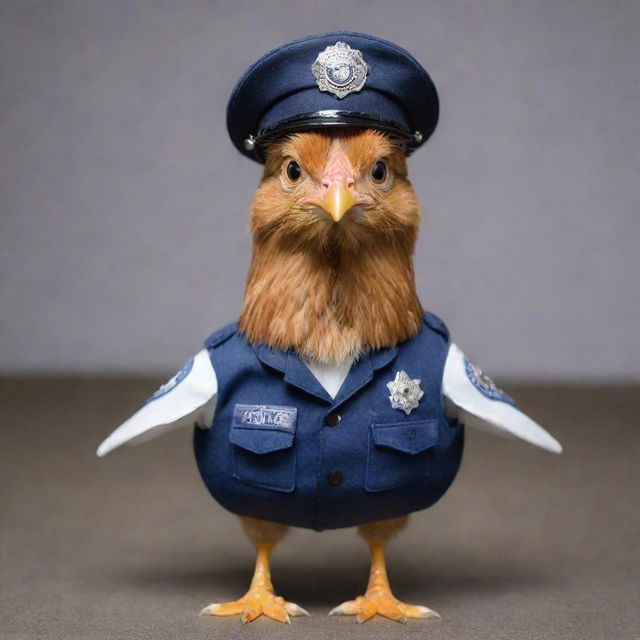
{"points": [[329, 375]]}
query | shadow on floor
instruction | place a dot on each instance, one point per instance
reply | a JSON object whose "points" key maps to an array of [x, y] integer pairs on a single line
{"points": [[330, 584]]}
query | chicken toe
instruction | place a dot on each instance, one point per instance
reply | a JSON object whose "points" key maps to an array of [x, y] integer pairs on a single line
{"points": [[380, 600], [258, 601]]}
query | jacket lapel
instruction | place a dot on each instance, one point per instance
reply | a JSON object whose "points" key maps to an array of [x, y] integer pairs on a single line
{"points": [[294, 369], [299, 375], [362, 372]]}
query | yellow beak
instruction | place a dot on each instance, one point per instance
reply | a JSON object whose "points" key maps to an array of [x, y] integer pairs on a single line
{"points": [[337, 201]]}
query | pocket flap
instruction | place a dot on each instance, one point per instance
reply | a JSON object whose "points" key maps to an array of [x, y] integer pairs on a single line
{"points": [[261, 440], [408, 437]]}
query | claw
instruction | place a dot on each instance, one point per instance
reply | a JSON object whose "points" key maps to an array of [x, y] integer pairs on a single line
{"points": [[429, 613], [210, 609], [223, 609], [294, 609], [347, 608], [417, 611]]}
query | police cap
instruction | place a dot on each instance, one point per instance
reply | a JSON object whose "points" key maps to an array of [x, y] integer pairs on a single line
{"points": [[334, 79]]}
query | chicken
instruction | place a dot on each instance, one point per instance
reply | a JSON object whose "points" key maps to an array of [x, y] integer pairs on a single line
{"points": [[334, 223], [331, 303]]}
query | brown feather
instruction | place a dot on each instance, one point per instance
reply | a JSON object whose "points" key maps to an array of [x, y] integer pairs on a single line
{"points": [[332, 290], [381, 531]]}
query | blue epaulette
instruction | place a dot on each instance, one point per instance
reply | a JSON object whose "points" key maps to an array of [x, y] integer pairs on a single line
{"points": [[221, 335], [435, 323]]}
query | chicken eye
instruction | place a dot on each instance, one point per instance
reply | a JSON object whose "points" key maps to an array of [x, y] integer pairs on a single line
{"points": [[294, 171], [379, 172]]}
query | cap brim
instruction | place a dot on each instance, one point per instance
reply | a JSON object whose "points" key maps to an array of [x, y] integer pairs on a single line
{"points": [[329, 119]]}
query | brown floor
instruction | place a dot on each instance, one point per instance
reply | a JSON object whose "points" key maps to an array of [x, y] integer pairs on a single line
{"points": [[525, 544]]}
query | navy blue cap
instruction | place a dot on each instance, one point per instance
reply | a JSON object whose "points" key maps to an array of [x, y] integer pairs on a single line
{"points": [[334, 79]]}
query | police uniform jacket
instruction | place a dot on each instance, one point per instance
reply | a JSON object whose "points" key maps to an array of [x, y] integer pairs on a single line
{"points": [[272, 443]]}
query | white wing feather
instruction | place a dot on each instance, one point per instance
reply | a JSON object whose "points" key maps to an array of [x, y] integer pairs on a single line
{"points": [[474, 409], [189, 402]]}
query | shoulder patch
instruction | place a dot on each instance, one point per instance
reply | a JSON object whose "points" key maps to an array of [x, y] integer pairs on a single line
{"points": [[435, 323], [221, 335], [485, 385], [173, 382]]}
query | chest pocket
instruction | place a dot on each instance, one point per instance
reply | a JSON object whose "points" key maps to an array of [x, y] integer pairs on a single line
{"points": [[263, 453], [399, 453]]}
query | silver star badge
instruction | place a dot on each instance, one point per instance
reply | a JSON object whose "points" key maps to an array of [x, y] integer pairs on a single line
{"points": [[405, 392], [340, 70]]}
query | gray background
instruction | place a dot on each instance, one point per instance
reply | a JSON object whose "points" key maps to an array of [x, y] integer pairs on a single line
{"points": [[123, 237]]}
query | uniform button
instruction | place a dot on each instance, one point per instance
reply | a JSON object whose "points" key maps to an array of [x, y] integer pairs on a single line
{"points": [[332, 419], [334, 478]]}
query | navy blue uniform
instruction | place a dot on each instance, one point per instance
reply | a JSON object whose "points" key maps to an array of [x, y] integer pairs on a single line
{"points": [[281, 449]]}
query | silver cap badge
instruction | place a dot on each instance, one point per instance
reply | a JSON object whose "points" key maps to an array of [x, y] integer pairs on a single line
{"points": [[405, 392], [340, 70]]}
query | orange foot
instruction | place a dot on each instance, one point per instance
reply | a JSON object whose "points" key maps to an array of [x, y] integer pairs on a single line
{"points": [[257, 601], [381, 601]]}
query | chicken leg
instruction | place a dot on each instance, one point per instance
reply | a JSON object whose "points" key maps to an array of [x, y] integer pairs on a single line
{"points": [[260, 598], [378, 597]]}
